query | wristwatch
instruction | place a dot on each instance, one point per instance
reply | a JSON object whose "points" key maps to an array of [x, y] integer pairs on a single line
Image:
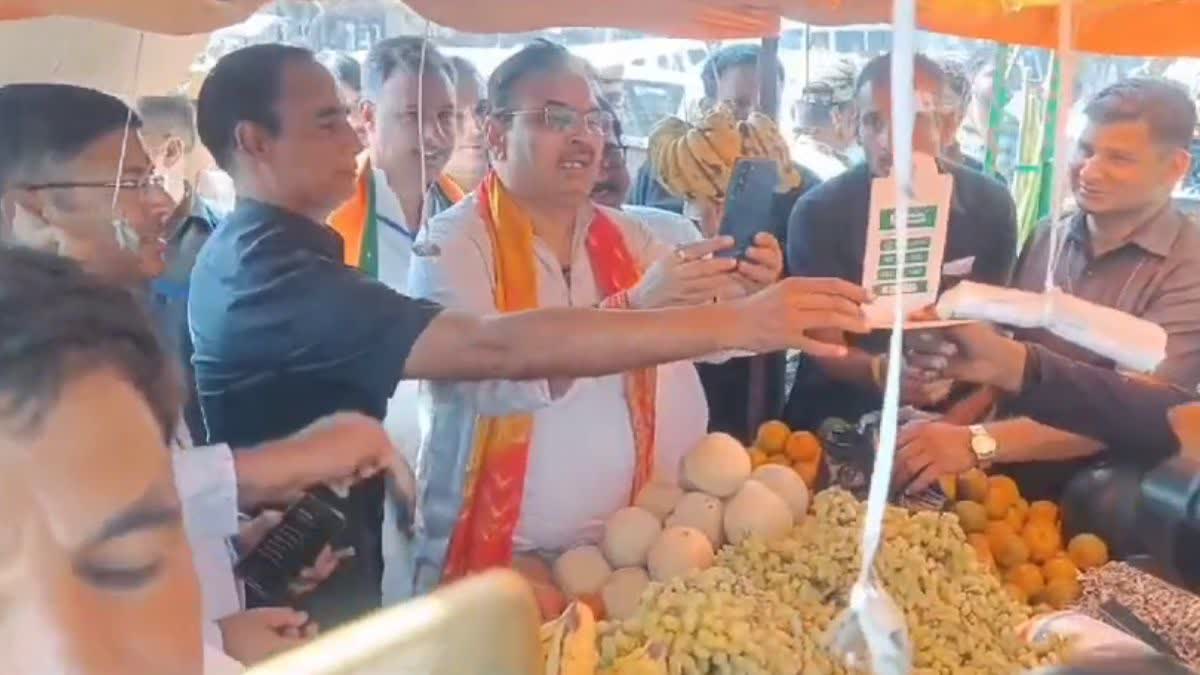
{"points": [[983, 444]]}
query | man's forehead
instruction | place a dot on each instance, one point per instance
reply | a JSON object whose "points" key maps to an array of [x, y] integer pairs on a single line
{"points": [[306, 85], [565, 85], [106, 153], [403, 88], [1117, 132]]}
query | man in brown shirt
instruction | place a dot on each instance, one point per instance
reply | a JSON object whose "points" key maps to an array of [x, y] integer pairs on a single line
{"points": [[1127, 248]]}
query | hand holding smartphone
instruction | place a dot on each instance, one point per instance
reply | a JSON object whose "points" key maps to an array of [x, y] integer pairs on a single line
{"points": [[748, 206]]}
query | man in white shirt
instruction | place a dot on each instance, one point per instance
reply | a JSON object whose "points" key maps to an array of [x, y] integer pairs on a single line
{"points": [[588, 441], [63, 147]]}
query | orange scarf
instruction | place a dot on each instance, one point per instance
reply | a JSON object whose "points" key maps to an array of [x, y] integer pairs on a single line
{"points": [[495, 485], [355, 220]]}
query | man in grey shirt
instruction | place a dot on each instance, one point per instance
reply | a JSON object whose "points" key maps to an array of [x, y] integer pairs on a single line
{"points": [[1128, 248]]}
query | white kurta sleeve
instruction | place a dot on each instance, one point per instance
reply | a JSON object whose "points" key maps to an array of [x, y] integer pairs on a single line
{"points": [[456, 272]]}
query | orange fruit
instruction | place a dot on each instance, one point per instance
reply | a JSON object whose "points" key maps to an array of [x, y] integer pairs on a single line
{"points": [[998, 530], [1021, 507], [808, 472], [803, 446], [997, 502], [1043, 539], [1044, 510], [1028, 577], [1015, 518], [1087, 551], [949, 485], [971, 516], [781, 460], [1017, 593], [1060, 593], [1059, 567], [1010, 552], [973, 485], [772, 436], [1005, 485], [982, 549], [757, 457]]}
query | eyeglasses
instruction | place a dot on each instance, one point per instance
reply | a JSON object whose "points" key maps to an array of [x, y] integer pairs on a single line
{"points": [[565, 119], [613, 157], [145, 184]]}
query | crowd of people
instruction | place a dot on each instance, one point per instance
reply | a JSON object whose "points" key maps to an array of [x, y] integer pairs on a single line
{"points": [[446, 295]]}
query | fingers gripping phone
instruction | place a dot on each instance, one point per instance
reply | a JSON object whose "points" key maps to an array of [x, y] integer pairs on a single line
{"points": [[748, 206]]}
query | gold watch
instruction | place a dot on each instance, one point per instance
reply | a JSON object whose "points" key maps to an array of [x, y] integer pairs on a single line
{"points": [[983, 444]]}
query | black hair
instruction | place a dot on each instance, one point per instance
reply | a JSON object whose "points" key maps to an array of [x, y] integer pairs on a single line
{"points": [[402, 54], [42, 124], [244, 86], [878, 71], [725, 58], [175, 113], [607, 106], [537, 57], [57, 323], [464, 69], [344, 68], [1163, 105]]}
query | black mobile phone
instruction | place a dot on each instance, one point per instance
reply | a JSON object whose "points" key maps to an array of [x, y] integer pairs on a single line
{"points": [[748, 205], [307, 527]]}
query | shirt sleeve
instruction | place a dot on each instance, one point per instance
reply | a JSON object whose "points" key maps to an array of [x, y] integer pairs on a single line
{"points": [[1128, 415], [1174, 307], [811, 243], [207, 484], [454, 271]]}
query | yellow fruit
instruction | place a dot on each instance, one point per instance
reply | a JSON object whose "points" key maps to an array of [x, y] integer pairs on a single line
{"points": [[998, 502], [1060, 593], [997, 531], [1021, 507], [781, 460], [1006, 485], [1015, 518], [949, 485], [757, 458], [1027, 577], [1018, 593], [1043, 540], [1011, 552], [809, 471], [1059, 567], [772, 436], [973, 485], [1087, 551], [1044, 510], [804, 446], [971, 516], [982, 549]]}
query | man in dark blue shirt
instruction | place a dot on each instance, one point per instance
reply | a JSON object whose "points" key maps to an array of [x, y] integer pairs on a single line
{"points": [[827, 236], [284, 332]]}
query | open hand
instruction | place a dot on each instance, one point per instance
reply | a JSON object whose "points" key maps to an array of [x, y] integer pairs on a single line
{"points": [[780, 316], [689, 276]]}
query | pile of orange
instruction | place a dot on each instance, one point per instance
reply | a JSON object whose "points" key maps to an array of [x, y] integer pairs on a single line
{"points": [[801, 450], [1023, 542]]}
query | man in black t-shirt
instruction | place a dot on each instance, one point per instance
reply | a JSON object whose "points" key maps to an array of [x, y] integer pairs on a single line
{"points": [[827, 236]]}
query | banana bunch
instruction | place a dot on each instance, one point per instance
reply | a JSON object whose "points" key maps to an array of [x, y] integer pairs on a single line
{"points": [[649, 659], [569, 643], [696, 162]]}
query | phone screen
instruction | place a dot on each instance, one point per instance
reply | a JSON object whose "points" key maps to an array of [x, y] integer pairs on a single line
{"points": [[748, 206], [307, 527]]}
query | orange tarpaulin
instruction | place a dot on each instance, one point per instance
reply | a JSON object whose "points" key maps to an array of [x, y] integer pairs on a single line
{"points": [[1135, 27]]}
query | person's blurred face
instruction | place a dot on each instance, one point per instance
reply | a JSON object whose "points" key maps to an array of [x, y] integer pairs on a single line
{"points": [[69, 209], [96, 576], [1119, 168], [169, 155], [613, 184], [875, 122], [406, 140], [468, 162], [737, 88], [310, 165], [353, 102], [982, 87], [549, 145]]}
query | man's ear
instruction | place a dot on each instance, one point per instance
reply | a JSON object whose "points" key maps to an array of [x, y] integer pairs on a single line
{"points": [[1181, 162], [494, 136], [252, 139], [25, 221], [367, 111], [173, 152]]}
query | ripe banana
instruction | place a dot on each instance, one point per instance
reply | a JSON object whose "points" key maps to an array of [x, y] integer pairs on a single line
{"points": [[766, 132], [700, 181], [569, 643], [719, 171], [662, 137], [720, 128], [649, 659]]}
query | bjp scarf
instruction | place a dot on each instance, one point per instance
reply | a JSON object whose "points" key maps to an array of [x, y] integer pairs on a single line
{"points": [[495, 485], [356, 220]]}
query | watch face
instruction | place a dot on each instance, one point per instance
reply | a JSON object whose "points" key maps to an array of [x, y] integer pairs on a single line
{"points": [[983, 446]]}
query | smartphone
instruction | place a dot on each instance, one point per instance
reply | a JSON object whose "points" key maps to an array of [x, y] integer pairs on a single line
{"points": [[307, 527], [749, 203]]}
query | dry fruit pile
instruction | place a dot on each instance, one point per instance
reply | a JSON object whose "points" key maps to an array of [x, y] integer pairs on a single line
{"points": [[767, 606], [1023, 542]]}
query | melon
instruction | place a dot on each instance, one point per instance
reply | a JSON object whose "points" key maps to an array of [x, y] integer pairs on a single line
{"points": [[581, 571], [702, 512], [785, 482], [679, 550], [756, 511], [659, 498], [623, 592], [718, 466], [628, 535]]}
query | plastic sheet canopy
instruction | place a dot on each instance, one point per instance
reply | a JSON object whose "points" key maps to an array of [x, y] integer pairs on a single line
{"points": [[1134, 27]]}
